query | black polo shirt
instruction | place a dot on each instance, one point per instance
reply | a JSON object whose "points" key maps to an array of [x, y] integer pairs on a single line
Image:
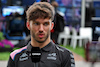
{"points": [[52, 56]]}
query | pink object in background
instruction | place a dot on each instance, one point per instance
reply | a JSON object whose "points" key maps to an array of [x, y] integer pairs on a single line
{"points": [[1, 44], [6, 42]]}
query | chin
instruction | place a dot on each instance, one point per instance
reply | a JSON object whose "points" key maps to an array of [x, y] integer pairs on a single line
{"points": [[41, 41]]}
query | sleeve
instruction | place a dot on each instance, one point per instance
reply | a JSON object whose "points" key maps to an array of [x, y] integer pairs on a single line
{"points": [[69, 61], [10, 62]]}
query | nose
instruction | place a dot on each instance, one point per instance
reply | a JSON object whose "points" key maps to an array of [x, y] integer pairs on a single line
{"points": [[41, 28]]}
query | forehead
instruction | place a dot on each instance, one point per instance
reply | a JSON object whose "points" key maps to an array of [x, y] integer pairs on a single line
{"points": [[40, 20]]}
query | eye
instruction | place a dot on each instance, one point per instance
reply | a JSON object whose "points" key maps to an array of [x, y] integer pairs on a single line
{"points": [[36, 23], [46, 23]]}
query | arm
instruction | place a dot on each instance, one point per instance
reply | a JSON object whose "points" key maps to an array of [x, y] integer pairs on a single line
{"points": [[10, 63], [69, 61]]}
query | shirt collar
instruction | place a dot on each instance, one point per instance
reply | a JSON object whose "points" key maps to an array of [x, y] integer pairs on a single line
{"points": [[29, 47], [46, 48]]}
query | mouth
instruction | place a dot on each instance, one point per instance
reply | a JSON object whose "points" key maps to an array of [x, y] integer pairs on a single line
{"points": [[41, 35]]}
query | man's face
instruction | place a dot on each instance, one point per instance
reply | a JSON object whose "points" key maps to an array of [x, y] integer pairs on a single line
{"points": [[40, 29]]}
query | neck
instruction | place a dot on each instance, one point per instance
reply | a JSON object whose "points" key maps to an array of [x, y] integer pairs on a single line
{"points": [[34, 43]]}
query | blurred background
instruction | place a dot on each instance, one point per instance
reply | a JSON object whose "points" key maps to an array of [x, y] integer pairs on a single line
{"points": [[80, 31]]}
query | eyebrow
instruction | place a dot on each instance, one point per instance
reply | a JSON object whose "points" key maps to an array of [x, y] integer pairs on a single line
{"points": [[44, 22]]}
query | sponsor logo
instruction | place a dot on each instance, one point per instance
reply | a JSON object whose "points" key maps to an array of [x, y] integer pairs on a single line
{"points": [[52, 56], [23, 57], [36, 53]]}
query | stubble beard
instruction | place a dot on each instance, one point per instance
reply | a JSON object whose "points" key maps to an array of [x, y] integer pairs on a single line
{"points": [[34, 37]]}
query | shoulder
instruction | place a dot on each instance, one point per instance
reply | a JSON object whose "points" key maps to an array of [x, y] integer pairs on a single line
{"points": [[64, 51], [65, 55], [14, 53]]}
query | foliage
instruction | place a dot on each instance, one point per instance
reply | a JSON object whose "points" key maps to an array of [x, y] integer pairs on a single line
{"points": [[78, 50], [1, 36], [5, 55]]}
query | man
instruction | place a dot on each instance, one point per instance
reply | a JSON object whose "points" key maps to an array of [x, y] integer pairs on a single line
{"points": [[39, 21]]}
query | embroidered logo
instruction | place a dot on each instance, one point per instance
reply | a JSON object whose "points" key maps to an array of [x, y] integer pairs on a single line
{"points": [[52, 56], [23, 57]]}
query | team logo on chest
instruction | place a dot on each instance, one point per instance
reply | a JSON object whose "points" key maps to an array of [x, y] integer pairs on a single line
{"points": [[51, 56], [23, 57]]}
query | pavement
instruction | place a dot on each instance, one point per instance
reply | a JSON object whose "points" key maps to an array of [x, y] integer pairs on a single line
{"points": [[3, 63], [81, 62]]}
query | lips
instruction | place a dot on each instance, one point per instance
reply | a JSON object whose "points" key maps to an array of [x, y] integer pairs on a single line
{"points": [[41, 35]]}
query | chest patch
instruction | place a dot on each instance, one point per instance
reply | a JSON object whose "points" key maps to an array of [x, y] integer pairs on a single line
{"points": [[51, 56], [23, 57]]}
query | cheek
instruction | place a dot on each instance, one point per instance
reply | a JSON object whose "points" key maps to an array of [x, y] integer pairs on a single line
{"points": [[47, 29], [34, 29]]}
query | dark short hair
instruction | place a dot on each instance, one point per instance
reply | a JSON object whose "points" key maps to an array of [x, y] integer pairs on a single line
{"points": [[40, 10]]}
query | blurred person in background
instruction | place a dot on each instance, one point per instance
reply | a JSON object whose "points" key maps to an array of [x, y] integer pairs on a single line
{"points": [[39, 21], [58, 23]]}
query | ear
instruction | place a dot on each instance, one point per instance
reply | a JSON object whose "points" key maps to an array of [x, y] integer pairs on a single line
{"points": [[52, 25], [28, 25]]}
